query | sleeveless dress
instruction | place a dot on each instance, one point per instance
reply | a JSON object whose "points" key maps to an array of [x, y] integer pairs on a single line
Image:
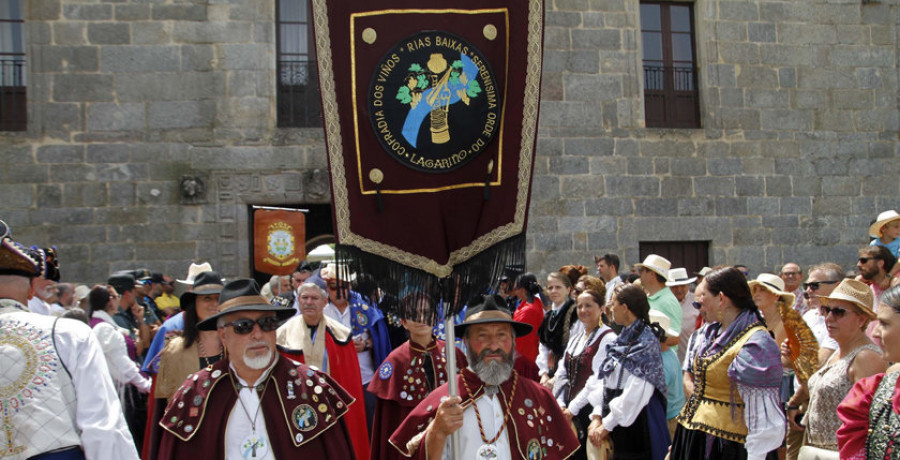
{"points": [[827, 388]]}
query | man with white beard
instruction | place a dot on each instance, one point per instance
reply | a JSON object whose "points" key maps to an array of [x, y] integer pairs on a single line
{"points": [[254, 404], [498, 415]]}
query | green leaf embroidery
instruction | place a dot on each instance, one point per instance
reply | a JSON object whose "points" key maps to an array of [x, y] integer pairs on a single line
{"points": [[473, 88], [403, 95]]}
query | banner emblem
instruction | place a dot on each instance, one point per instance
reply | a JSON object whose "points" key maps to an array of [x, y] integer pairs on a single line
{"points": [[281, 245], [434, 102]]}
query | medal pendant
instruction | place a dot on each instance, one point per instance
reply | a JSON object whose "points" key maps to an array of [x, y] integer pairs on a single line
{"points": [[487, 452], [254, 447]]}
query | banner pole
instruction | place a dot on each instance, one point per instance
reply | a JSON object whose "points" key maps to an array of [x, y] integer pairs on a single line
{"points": [[450, 351]]}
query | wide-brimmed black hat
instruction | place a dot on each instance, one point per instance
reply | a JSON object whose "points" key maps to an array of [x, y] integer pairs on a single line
{"points": [[206, 283], [243, 295], [490, 309]]}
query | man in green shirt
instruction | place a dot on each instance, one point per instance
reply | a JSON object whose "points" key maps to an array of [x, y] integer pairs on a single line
{"points": [[654, 273]]}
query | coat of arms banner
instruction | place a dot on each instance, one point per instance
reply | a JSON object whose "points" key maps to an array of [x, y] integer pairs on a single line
{"points": [[430, 115], [279, 240]]}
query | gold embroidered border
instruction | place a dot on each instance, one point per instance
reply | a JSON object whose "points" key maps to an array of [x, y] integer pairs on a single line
{"points": [[336, 151]]}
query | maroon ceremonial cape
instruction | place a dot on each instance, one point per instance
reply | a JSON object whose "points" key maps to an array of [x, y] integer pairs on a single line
{"points": [[303, 409], [400, 385], [343, 367], [536, 423]]}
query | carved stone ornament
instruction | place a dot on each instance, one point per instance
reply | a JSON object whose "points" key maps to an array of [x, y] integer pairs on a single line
{"points": [[192, 189]]}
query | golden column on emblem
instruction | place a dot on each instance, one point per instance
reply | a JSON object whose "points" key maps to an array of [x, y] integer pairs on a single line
{"points": [[439, 99]]}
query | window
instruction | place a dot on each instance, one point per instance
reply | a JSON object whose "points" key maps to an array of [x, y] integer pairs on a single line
{"points": [[298, 82], [670, 76], [13, 115]]}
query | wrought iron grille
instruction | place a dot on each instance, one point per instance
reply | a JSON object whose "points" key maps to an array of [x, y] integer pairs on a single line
{"points": [[299, 104], [13, 95]]}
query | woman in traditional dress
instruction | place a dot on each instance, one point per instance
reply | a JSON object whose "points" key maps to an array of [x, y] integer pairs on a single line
{"points": [[578, 367], [530, 311], [735, 410], [193, 350], [558, 325], [871, 411], [629, 405], [847, 312]]}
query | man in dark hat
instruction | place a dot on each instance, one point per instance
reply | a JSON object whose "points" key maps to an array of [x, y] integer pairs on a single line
{"points": [[74, 412], [131, 313], [253, 403], [325, 344], [183, 354], [497, 414]]}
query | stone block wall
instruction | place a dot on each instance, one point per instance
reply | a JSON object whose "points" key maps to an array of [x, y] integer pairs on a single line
{"points": [[798, 150]]}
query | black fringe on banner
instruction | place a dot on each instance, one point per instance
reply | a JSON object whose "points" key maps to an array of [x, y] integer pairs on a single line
{"points": [[418, 292]]}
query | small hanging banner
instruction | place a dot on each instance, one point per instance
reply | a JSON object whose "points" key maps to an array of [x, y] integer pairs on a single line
{"points": [[279, 240], [430, 113]]}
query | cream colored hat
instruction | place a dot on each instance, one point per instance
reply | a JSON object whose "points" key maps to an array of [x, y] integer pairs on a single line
{"points": [[657, 316], [195, 270], [81, 291], [658, 264], [883, 218], [855, 292], [678, 277], [775, 285], [334, 272], [704, 271]]}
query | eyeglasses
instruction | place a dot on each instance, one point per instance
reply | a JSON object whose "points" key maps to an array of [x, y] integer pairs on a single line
{"points": [[696, 305], [815, 285], [864, 260], [332, 286], [838, 313], [244, 326], [790, 273]]}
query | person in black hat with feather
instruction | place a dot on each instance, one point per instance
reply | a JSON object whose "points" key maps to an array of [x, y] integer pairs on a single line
{"points": [[253, 403], [497, 414]]}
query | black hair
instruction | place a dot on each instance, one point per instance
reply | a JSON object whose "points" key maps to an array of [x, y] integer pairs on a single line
{"points": [[880, 253], [731, 282], [635, 299], [190, 333], [610, 259], [98, 298], [528, 282]]}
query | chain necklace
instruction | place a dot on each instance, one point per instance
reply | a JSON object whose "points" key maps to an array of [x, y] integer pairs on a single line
{"points": [[206, 361], [252, 444], [512, 394]]}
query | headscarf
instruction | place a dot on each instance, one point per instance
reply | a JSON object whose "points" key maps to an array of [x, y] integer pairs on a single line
{"points": [[638, 350]]}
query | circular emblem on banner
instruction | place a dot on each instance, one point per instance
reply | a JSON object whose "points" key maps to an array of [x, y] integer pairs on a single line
{"points": [[280, 241], [434, 102]]}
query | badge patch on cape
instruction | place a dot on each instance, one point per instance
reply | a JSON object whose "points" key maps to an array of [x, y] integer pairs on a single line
{"points": [[304, 417], [533, 450], [385, 371]]}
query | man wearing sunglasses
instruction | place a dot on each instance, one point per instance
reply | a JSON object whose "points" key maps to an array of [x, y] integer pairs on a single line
{"points": [[255, 404]]}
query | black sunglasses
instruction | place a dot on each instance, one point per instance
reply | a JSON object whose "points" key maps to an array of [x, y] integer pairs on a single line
{"points": [[815, 285], [244, 326], [838, 313], [864, 260], [696, 305]]}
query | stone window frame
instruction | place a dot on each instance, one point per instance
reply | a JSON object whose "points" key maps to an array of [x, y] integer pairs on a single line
{"points": [[297, 83], [13, 69], [671, 86]]}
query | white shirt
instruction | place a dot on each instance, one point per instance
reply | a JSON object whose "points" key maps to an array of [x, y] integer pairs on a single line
{"points": [[96, 413], [688, 320], [816, 324], [577, 344], [611, 286], [366, 363], [491, 420], [240, 429], [122, 369], [625, 408], [36, 305]]}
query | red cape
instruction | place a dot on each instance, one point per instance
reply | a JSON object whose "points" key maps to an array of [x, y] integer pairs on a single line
{"points": [[536, 422], [197, 415], [399, 388], [343, 367]]}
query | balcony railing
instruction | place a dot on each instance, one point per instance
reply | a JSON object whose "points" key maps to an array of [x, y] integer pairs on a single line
{"points": [[13, 95], [671, 99], [299, 104]]}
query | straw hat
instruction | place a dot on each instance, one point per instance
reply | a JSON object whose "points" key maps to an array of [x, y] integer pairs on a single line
{"points": [[657, 316], [883, 218], [333, 272], [773, 284], [855, 292], [704, 271], [657, 264], [195, 270], [679, 277]]}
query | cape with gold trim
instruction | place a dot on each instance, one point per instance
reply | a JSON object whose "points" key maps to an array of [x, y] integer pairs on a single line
{"points": [[303, 411], [430, 112]]}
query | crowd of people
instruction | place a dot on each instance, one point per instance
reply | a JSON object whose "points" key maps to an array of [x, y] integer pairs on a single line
{"points": [[649, 363]]}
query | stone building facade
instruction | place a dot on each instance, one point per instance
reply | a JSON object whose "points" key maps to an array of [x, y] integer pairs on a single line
{"points": [[796, 153]]}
